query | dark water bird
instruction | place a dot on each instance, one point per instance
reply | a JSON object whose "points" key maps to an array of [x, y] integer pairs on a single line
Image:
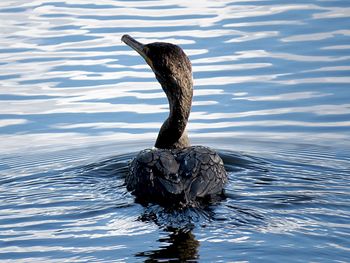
{"points": [[174, 172]]}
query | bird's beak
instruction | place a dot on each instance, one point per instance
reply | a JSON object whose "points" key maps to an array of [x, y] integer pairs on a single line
{"points": [[138, 47]]}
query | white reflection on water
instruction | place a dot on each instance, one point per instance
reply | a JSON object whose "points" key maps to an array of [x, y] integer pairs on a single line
{"points": [[47, 142], [333, 12], [344, 80], [51, 106], [249, 54], [315, 36], [109, 125], [71, 54], [266, 74], [284, 96], [335, 68], [249, 36], [336, 47], [218, 81], [266, 23], [219, 125], [193, 126], [318, 110], [238, 66], [9, 122]]}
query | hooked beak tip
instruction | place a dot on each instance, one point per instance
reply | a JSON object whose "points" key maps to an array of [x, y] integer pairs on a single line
{"points": [[134, 44], [138, 47]]}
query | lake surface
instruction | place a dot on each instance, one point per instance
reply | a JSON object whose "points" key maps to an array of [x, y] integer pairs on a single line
{"points": [[272, 95]]}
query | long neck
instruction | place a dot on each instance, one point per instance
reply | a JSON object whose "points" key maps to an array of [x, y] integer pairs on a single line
{"points": [[172, 133]]}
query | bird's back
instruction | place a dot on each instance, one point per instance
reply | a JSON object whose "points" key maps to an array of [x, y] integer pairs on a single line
{"points": [[176, 176]]}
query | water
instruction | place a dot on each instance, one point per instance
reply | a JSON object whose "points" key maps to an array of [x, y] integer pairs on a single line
{"points": [[271, 94]]}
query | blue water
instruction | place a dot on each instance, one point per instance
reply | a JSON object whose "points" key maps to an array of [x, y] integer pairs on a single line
{"points": [[76, 104]]}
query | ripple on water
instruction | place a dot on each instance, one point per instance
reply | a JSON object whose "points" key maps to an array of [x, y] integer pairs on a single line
{"points": [[79, 208], [271, 81]]}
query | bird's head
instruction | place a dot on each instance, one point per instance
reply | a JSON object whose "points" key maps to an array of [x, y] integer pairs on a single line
{"points": [[169, 63]]}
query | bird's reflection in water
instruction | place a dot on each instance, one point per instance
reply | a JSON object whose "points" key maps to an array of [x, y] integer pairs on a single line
{"points": [[182, 247], [178, 243]]}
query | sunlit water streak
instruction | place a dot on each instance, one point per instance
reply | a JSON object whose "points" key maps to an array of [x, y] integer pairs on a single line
{"points": [[271, 93]]}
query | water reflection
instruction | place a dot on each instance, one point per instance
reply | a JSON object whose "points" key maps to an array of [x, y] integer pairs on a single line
{"points": [[265, 199], [283, 97], [271, 79], [68, 61], [9, 122], [182, 246]]}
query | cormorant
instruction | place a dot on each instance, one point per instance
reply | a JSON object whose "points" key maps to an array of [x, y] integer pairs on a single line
{"points": [[173, 173]]}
